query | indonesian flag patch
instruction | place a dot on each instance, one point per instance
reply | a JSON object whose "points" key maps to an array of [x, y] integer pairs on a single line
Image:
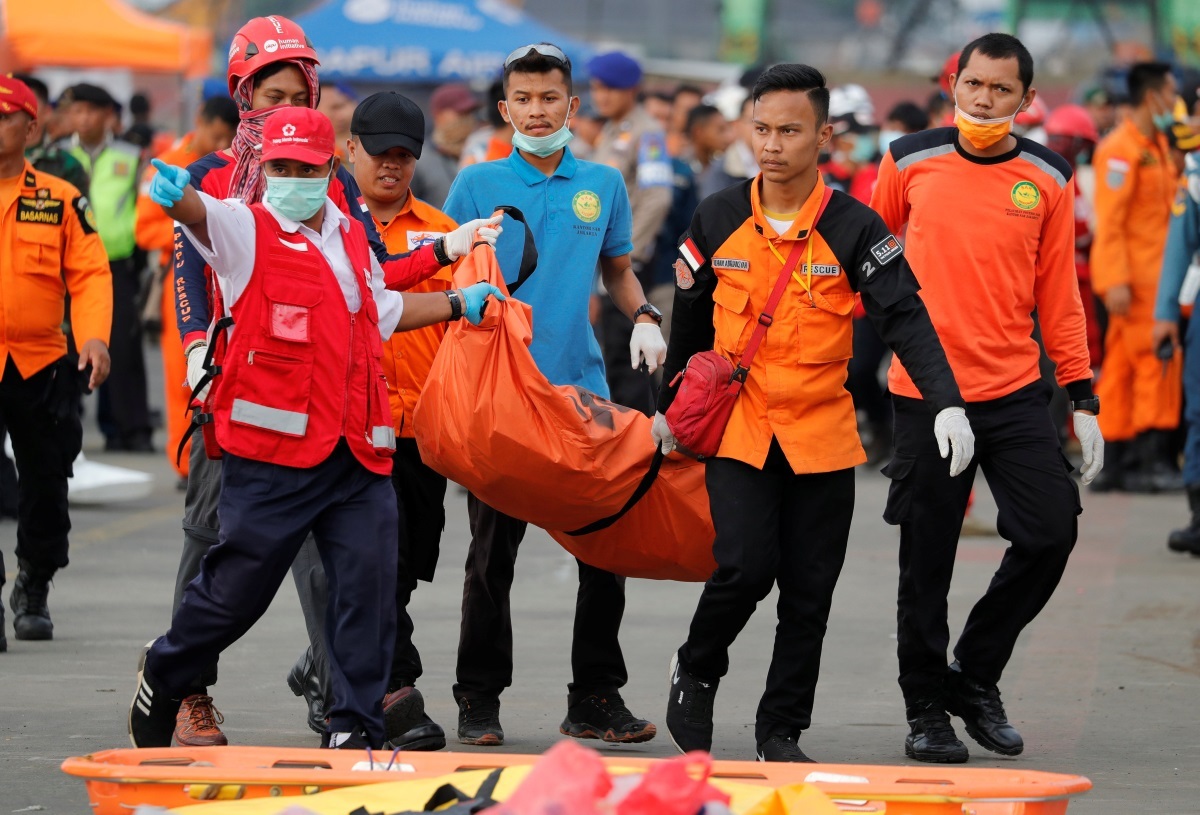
{"points": [[691, 255]]}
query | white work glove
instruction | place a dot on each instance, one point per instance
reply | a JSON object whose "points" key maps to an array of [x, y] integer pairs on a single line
{"points": [[195, 365], [459, 242], [1087, 430], [662, 435], [647, 343], [953, 433]]}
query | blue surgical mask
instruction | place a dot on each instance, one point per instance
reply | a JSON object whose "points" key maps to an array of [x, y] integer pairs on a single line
{"points": [[1164, 121], [297, 198], [886, 137], [864, 149], [542, 146]]}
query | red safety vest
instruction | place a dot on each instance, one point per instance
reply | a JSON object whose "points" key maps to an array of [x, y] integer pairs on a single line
{"points": [[299, 371]]}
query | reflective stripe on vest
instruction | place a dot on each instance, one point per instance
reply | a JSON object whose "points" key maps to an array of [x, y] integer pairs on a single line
{"points": [[383, 437], [291, 422]]}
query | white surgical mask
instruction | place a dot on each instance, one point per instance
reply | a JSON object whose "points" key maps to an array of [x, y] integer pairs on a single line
{"points": [[886, 137]]}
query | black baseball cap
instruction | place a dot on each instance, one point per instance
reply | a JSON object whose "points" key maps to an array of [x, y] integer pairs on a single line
{"points": [[92, 94], [388, 119]]}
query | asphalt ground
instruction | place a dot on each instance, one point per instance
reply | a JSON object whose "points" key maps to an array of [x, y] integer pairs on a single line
{"points": [[1105, 683]]}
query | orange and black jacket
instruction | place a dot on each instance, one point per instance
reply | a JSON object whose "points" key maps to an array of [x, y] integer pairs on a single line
{"points": [[795, 392]]}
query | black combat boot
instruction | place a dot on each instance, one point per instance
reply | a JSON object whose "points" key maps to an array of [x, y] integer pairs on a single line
{"points": [[31, 619], [1112, 477], [1188, 538], [1155, 471]]}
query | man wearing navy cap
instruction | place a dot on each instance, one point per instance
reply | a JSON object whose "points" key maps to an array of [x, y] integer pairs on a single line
{"points": [[114, 168], [633, 142]]}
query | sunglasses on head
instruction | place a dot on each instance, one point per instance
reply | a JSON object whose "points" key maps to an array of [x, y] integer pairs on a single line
{"points": [[542, 49]]}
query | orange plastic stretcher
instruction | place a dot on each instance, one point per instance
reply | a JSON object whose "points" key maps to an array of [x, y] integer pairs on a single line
{"points": [[118, 780]]}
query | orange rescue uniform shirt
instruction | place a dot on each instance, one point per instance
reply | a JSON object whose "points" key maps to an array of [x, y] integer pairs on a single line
{"points": [[156, 229], [50, 248], [1135, 187], [730, 260], [408, 355], [989, 240]]}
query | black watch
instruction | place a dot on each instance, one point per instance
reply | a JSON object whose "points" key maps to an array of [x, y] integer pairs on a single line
{"points": [[648, 308], [1092, 404]]}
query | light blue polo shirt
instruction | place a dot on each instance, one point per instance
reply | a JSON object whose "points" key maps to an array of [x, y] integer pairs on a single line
{"points": [[578, 215]]}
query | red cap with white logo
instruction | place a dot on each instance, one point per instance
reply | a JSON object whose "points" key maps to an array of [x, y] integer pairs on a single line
{"points": [[302, 134], [15, 95]]}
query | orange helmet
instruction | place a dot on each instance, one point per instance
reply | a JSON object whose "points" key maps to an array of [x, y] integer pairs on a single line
{"points": [[263, 41], [1072, 121]]}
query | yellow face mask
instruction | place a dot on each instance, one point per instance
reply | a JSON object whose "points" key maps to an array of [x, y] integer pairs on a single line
{"points": [[983, 133]]}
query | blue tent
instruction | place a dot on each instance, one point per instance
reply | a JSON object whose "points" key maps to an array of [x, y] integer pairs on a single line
{"points": [[413, 41]]}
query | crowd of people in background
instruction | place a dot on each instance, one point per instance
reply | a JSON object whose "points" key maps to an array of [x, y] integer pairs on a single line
{"points": [[414, 174]]}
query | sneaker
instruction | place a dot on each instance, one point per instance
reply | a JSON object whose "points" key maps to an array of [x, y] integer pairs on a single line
{"points": [[781, 748], [979, 706], [152, 713], [931, 737], [479, 722], [405, 723], [197, 724], [31, 620], [690, 709], [347, 741], [606, 718]]}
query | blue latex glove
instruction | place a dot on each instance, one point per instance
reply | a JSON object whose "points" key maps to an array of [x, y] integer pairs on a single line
{"points": [[475, 301], [168, 184]]}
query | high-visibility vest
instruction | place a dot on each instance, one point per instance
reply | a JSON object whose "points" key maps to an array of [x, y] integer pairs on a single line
{"points": [[300, 371], [113, 194]]}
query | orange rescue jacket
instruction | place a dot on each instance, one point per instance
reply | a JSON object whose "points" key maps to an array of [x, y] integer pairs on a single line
{"points": [[50, 248], [408, 355]]}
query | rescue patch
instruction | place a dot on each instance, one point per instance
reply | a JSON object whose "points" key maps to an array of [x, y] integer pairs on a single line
{"points": [[886, 250], [825, 270], [1025, 195], [586, 206], [40, 211], [417, 239], [83, 211], [1115, 172], [683, 275], [733, 264]]}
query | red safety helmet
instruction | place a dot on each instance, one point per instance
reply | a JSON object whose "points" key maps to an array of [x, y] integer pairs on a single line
{"points": [[1034, 115], [1072, 121], [263, 41], [949, 68]]}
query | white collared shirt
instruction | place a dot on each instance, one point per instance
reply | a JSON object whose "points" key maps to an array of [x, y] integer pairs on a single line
{"points": [[231, 232]]}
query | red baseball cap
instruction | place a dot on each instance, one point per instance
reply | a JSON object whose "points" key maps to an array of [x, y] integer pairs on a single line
{"points": [[15, 95], [303, 134], [949, 68]]}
